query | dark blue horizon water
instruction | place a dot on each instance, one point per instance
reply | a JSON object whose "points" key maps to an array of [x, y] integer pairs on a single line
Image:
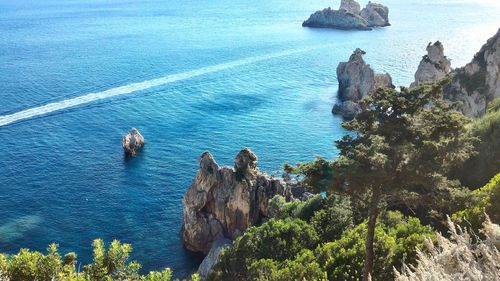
{"points": [[63, 177]]}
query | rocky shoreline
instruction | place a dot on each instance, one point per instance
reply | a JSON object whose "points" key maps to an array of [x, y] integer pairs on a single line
{"points": [[222, 202], [477, 83], [472, 86]]}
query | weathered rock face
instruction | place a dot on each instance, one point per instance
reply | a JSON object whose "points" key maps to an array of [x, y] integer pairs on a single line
{"points": [[132, 142], [376, 14], [477, 83], [208, 263], [357, 80], [224, 202], [350, 6], [338, 19], [433, 66], [349, 16]]}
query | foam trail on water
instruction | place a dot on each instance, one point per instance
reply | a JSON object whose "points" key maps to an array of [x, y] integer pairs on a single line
{"points": [[134, 87]]}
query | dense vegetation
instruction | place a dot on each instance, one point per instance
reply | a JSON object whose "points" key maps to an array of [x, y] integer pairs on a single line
{"points": [[110, 264], [408, 161], [485, 201]]}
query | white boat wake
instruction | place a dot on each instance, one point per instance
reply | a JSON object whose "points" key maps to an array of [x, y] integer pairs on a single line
{"points": [[134, 87]]}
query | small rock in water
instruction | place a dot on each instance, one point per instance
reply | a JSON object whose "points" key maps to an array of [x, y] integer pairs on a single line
{"points": [[132, 142]]}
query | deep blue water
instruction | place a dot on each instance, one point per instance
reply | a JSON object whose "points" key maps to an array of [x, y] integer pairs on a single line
{"points": [[63, 177]]}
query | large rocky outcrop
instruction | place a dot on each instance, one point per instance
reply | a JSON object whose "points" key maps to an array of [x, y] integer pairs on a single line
{"points": [[433, 66], [224, 202], [478, 82], [132, 142], [356, 80], [349, 16]]}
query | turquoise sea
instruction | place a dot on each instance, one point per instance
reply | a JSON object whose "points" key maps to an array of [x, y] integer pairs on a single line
{"points": [[232, 74]]}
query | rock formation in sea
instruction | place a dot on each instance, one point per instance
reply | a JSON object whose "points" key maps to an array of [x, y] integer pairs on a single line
{"points": [[477, 83], [357, 80], [433, 66], [222, 202], [132, 142], [349, 16]]}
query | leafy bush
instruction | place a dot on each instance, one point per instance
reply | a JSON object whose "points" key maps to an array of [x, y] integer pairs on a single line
{"points": [[276, 239], [331, 221], [396, 238], [329, 216], [280, 250], [108, 265], [304, 267], [303, 210], [485, 200]]}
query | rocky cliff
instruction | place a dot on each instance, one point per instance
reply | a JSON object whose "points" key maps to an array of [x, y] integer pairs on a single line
{"points": [[349, 16], [477, 83], [356, 80], [222, 202], [433, 66]]}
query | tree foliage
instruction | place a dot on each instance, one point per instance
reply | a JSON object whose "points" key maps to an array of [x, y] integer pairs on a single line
{"points": [[277, 240], [108, 265], [398, 153], [396, 239], [253, 258]]}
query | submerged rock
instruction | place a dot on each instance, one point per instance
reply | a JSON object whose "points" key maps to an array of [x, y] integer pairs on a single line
{"points": [[349, 16], [132, 142], [433, 66], [222, 202], [357, 80], [477, 83]]}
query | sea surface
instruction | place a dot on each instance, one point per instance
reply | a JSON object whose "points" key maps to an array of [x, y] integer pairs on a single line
{"points": [[214, 75]]}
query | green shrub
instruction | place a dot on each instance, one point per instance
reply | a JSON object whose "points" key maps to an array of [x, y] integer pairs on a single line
{"points": [[113, 262], [396, 239], [276, 239], [304, 267], [333, 220], [303, 210], [485, 200], [28, 265], [158, 275], [108, 265], [284, 250]]}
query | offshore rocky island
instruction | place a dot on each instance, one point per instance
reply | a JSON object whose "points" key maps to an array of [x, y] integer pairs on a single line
{"points": [[350, 16]]}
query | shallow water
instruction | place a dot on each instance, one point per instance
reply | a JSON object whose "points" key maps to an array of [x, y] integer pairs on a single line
{"points": [[63, 176]]}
